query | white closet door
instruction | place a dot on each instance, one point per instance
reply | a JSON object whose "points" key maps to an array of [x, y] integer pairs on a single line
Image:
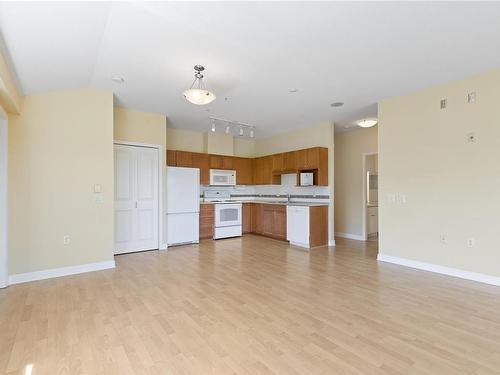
{"points": [[136, 199]]}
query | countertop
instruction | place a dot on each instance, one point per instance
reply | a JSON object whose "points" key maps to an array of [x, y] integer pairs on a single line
{"points": [[262, 201]]}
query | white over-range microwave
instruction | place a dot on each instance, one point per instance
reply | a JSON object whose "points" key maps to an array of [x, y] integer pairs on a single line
{"points": [[222, 177]]}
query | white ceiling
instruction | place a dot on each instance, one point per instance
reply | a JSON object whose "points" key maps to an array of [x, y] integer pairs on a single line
{"points": [[254, 52]]}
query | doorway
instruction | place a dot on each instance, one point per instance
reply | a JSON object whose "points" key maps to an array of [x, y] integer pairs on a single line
{"points": [[137, 210], [4, 270], [370, 197]]}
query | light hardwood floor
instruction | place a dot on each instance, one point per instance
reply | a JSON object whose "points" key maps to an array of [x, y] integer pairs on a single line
{"points": [[252, 305]]}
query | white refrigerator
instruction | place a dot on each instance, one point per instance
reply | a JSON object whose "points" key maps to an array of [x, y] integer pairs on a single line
{"points": [[183, 205]]}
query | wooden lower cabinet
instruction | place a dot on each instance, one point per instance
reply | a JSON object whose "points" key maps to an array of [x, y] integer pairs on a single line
{"points": [[274, 221], [256, 218], [206, 221], [318, 226], [246, 218]]}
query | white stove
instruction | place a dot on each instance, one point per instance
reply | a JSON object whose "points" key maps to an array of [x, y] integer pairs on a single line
{"points": [[227, 214]]}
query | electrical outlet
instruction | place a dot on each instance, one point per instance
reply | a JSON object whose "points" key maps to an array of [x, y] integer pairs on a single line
{"points": [[443, 103], [443, 239], [66, 239], [471, 242], [471, 97]]}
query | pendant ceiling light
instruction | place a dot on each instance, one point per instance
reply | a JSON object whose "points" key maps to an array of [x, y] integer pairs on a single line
{"points": [[197, 94]]}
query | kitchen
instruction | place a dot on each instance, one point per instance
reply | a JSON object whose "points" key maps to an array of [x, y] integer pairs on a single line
{"points": [[283, 196]]}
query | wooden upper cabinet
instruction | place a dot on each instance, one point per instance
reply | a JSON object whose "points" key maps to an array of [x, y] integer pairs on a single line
{"points": [[322, 179], [184, 159], [278, 162], [267, 170], [215, 161], [263, 170], [300, 159], [312, 158], [221, 162], [243, 168], [202, 162], [171, 158], [227, 162], [289, 160], [257, 171]]}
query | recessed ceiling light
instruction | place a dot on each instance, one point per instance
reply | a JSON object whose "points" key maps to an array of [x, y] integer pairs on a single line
{"points": [[337, 104], [367, 123], [346, 126], [117, 79], [293, 90]]}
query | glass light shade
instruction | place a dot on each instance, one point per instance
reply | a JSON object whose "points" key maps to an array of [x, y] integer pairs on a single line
{"points": [[368, 123], [199, 96]]}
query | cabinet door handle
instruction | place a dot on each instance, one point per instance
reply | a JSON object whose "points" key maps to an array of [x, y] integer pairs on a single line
{"points": [[135, 204]]}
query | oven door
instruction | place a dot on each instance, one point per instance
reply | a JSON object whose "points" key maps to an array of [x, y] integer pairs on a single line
{"points": [[227, 215]]}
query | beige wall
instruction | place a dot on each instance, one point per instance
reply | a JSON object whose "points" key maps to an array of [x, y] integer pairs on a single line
{"points": [[141, 127], [350, 148], [137, 126], [216, 143], [451, 186], [315, 135], [59, 147], [244, 147], [213, 143], [185, 140]]}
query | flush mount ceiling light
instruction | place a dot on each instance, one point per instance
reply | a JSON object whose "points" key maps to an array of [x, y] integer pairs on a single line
{"points": [[367, 123], [197, 94]]}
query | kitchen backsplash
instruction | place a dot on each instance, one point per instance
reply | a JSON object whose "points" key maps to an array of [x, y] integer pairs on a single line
{"points": [[287, 187]]}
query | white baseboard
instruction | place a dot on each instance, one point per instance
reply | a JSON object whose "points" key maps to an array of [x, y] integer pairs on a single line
{"points": [[58, 272], [164, 247], [350, 236], [482, 278], [331, 243]]}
